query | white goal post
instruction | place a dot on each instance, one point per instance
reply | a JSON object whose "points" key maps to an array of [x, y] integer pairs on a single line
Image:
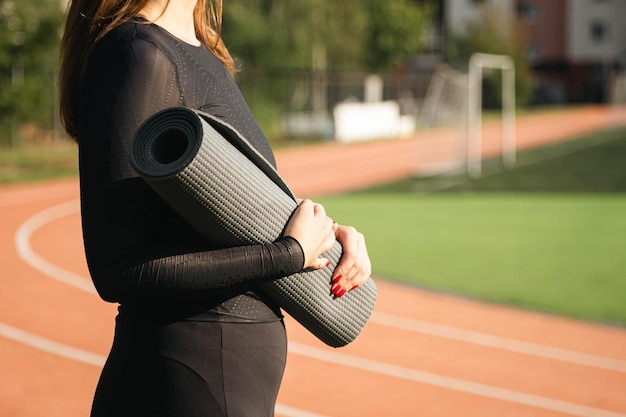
{"points": [[477, 63], [618, 97]]}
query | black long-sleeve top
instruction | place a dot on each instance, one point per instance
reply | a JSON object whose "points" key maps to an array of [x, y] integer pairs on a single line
{"points": [[140, 253]]}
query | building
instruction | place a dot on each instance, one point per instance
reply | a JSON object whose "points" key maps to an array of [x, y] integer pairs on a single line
{"points": [[575, 47]]}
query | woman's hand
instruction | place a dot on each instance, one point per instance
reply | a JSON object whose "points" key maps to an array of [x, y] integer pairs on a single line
{"points": [[354, 267], [310, 226]]}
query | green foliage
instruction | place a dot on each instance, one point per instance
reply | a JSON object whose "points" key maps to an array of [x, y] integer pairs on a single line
{"points": [[29, 39], [283, 34], [395, 31], [268, 38], [353, 34], [284, 46], [492, 35]]}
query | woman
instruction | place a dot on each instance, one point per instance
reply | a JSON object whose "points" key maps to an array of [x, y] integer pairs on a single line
{"points": [[193, 337]]}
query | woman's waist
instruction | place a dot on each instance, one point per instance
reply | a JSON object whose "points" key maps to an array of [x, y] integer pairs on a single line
{"points": [[249, 307]]}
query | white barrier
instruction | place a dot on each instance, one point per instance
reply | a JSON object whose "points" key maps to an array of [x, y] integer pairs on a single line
{"points": [[366, 121]]}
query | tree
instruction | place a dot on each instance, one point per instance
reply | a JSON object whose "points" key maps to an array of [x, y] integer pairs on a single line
{"points": [[292, 51], [395, 31], [29, 39], [356, 34]]}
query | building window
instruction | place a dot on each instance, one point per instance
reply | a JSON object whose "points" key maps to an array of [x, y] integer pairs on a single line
{"points": [[533, 53], [598, 31], [528, 11]]}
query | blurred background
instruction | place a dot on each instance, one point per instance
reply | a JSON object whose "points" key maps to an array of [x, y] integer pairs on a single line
{"points": [[506, 126], [299, 61], [364, 70], [322, 71]]}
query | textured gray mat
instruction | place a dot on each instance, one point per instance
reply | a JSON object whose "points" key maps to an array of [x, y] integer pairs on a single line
{"points": [[232, 196]]}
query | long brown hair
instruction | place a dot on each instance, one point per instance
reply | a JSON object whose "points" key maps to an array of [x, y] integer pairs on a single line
{"points": [[87, 21]]}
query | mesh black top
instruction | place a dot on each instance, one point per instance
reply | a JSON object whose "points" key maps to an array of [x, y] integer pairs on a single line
{"points": [[140, 253]]}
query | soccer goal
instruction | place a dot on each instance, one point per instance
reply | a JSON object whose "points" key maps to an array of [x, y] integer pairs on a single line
{"points": [[451, 117]]}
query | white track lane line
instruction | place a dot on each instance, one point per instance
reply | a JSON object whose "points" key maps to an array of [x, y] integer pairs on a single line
{"points": [[286, 411], [56, 212], [449, 383], [94, 359], [498, 342], [50, 346], [455, 384], [454, 333], [28, 255]]}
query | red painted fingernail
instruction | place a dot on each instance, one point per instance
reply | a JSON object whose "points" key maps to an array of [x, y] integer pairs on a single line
{"points": [[341, 293], [337, 279], [337, 290], [354, 288], [328, 263]]}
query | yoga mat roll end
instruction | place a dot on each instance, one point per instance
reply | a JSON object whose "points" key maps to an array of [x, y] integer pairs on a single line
{"points": [[166, 142]]}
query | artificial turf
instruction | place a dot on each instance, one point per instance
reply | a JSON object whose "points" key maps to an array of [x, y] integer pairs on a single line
{"points": [[548, 235]]}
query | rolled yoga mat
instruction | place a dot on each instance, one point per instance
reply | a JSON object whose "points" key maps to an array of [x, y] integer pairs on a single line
{"points": [[228, 192]]}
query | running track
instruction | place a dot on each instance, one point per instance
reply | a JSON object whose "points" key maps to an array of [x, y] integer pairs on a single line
{"points": [[422, 353]]}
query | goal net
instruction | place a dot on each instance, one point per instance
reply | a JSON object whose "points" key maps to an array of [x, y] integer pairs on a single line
{"points": [[450, 118], [442, 120]]}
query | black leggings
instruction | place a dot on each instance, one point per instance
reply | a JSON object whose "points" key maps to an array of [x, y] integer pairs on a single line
{"points": [[192, 369]]}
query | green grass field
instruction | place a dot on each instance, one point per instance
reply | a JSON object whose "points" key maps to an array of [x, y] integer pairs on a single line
{"points": [[38, 161], [549, 235]]}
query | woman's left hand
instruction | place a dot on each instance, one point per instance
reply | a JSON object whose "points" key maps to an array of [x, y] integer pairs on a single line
{"points": [[354, 267]]}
